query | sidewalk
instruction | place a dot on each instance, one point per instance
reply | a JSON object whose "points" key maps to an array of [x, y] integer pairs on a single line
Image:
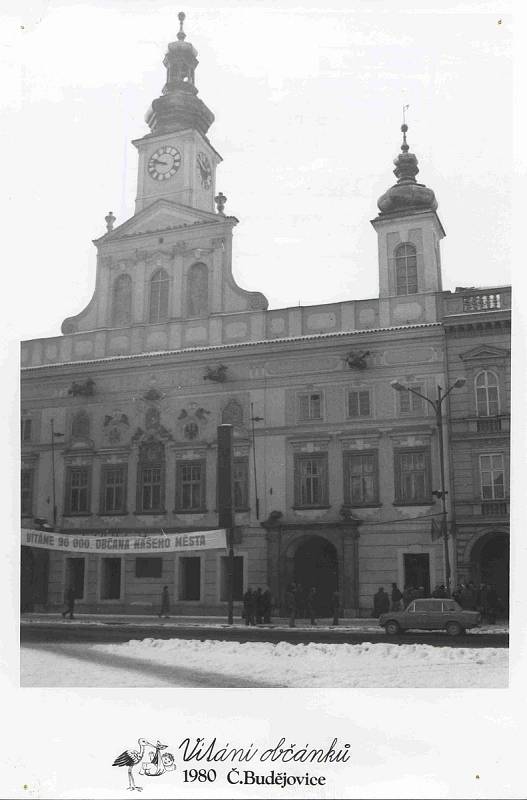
{"points": [[366, 624]]}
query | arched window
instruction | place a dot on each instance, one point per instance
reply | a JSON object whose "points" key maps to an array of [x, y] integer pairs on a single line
{"points": [[232, 413], [122, 301], [159, 286], [487, 394], [80, 425], [198, 290], [406, 269]]}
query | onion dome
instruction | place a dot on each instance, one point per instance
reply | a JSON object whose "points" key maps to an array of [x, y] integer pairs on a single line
{"points": [[179, 108], [406, 194]]}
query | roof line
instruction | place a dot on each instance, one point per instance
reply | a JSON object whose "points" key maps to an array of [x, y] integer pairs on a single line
{"points": [[233, 345]]}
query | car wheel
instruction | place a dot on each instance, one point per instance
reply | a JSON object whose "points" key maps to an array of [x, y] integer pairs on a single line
{"points": [[392, 628], [454, 628]]}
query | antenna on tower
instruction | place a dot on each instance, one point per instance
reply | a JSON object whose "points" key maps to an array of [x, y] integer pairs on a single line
{"points": [[405, 108]]}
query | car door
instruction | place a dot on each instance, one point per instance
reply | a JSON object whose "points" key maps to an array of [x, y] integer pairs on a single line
{"points": [[417, 618]]}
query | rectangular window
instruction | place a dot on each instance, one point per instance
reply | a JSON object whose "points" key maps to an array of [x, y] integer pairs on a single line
{"points": [[25, 429], [359, 404], [237, 582], [26, 492], [492, 473], [412, 483], [310, 406], [150, 488], [190, 486], [148, 567], [110, 578], [410, 403], [78, 492], [311, 480], [190, 578], [241, 483], [361, 479], [113, 495]]}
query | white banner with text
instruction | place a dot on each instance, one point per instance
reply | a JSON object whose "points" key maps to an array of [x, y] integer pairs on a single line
{"points": [[126, 543]]}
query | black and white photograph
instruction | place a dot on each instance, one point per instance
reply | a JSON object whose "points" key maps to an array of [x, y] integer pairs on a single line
{"points": [[259, 361]]}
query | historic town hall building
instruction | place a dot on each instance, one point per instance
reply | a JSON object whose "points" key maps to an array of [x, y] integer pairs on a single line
{"points": [[337, 475]]}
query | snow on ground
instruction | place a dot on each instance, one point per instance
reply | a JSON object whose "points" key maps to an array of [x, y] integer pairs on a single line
{"points": [[155, 662]]}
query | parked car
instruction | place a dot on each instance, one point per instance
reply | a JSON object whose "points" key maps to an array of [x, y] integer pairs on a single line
{"points": [[431, 614]]}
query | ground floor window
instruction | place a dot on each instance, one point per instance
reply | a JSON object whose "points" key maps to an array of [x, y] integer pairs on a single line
{"points": [[110, 578], [237, 578], [75, 569], [148, 567], [417, 571], [190, 578]]}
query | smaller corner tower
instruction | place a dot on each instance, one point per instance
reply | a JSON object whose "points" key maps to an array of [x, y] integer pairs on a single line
{"points": [[409, 232], [176, 160]]}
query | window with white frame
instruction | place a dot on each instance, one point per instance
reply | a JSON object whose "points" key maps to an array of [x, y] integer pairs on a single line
{"points": [[492, 475], [311, 480], [190, 486], [359, 403], [360, 478], [406, 269], [159, 289], [25, 429], [310, 405], [487, 394], [78, 490], [412, 476], [410, 403]]}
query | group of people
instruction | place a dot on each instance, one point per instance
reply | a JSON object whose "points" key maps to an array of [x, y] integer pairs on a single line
{"points": [[302, 603], [470, 597], [257, 606]]}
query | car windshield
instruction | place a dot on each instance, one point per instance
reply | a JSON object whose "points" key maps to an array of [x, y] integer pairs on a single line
{"points": [[451, 605]]}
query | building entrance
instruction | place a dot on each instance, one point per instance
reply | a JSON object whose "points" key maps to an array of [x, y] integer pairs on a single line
{"points": [[490, 564], [417, 571], [316, 564], [34, 571]]}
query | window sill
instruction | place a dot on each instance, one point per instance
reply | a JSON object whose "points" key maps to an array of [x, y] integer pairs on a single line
{"points": [[159, 513], [190, 511], [309, 508], [310, 419], [122, 513], [351, 506], [423, 502], [78, 514]]}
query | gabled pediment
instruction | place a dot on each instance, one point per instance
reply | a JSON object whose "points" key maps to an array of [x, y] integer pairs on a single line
{"points": [[163, 215], [484, 352]]}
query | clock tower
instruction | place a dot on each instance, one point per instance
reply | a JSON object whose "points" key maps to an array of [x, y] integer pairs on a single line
{"points": [[176, 160]]}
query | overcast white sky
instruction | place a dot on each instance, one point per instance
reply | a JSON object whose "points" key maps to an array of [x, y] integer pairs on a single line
{"points": [[308, 108]]}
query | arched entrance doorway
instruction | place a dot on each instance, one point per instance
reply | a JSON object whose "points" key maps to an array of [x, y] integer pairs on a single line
{"points": [[316, 564], [490, 563]]}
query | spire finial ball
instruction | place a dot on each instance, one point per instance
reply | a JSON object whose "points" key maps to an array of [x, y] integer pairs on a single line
{"points": [[181, 35], [404, 127], [181, 16]]}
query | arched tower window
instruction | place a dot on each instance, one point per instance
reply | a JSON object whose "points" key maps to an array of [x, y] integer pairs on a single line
{"points": [[198, 290], [122, 300], [406, 269], [487, 394], [80, 425], [159, 287]]}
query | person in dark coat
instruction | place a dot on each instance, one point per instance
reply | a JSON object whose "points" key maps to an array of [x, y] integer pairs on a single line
{"points": [[165, 603], [397, 596], [335, 599], [258, 607], [248, 607], [310, 605], [407, 596], [492, 604], [70, 602], [300, 600], [381, 602], [267, 605], [290, 604]]}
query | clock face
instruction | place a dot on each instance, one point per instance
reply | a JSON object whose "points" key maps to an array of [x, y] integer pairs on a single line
{"points": [[164, 163], [205, 170]]}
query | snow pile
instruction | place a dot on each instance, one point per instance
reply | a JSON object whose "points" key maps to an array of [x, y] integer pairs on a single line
{"points": [[325, 665]]}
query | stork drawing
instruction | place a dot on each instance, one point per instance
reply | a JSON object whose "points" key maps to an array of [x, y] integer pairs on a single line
{"points": [[130, 759]]}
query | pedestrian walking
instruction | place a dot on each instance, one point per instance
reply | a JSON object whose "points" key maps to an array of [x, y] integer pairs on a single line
{"points": [[290, 604], [397, 596], [258, 607], [267, 605], [70, 602], [381, 602], [310, 605], [248, 607], [336, 606], [165, 603]]}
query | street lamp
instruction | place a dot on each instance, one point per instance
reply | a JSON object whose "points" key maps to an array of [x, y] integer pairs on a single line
{"points": [[437, 405], [54, 434]]}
